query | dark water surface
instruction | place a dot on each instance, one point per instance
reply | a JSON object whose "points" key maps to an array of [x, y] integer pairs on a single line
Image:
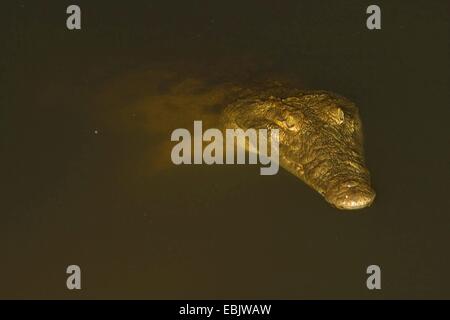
{"points": [[80, 184]]}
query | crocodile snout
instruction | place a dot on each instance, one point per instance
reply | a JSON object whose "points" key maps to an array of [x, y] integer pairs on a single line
{"points": [[351, 195]]}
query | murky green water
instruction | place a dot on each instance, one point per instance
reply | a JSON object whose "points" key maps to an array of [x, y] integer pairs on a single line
{"points": [[80, 184]]}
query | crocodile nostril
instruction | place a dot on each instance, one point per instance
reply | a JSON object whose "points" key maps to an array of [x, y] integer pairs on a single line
{"points": [[355, 198]]}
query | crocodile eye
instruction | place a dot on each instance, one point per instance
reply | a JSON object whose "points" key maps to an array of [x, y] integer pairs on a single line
{"points": [[337, 115], [286, 118], [288, 122]]}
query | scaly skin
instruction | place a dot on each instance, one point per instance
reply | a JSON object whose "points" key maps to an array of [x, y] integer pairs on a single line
{"points": [[321, 139]]}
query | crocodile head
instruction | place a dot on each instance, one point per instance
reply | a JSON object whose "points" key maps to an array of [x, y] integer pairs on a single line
{"points": [[320, 141]]}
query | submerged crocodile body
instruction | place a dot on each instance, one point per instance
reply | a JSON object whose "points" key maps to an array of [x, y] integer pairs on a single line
{"points": [[320, 133]]}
